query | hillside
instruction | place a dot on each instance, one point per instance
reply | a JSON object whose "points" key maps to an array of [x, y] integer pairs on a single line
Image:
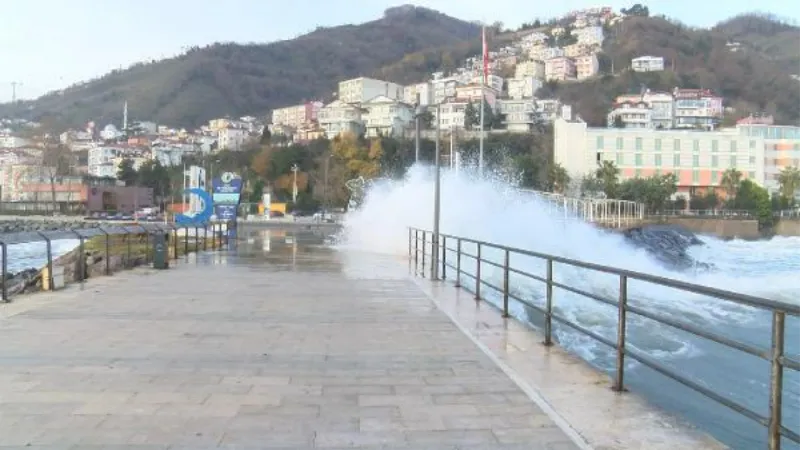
{"points": [[750, 80], [249, 79], [776, 40]]}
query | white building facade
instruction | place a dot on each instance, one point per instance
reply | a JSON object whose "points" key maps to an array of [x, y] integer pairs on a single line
{"points": [[339, 117], [647, 64], [384, 116], [359, 90]]}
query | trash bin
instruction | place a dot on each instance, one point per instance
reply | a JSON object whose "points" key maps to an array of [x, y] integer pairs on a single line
{"points": [[160, 251]]}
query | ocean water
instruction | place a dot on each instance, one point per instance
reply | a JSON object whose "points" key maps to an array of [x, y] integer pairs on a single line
{"points": [[495, 211], [33, 255]]}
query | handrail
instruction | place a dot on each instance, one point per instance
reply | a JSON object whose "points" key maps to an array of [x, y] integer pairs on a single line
{"points": [[7, 240], [779, 361]]}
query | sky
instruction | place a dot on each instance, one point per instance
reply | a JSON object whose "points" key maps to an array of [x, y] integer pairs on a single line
{"points": [[51, 44]]}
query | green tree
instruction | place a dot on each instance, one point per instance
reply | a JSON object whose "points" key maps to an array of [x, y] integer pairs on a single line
{"points": [[789, 180], [126, 173], [153, 175], [754, 199], [731, 179], [57, 161], [654, 192], [472, 115], [558, 179], [608, 174]]}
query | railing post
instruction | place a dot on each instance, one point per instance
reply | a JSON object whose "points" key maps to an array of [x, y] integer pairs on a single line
{"points": [[458, 262], [175, 243], [619, 384], [444, 257], [82, 274], [505, 283], [129, 261], [108, 250], [196, 239], [478, 274], [434, 256], [4, 250], [48, 242], [424, 234], [416, 252], [410, 240], [548, 316], [776, 380], [186, 242], [205, 237]]}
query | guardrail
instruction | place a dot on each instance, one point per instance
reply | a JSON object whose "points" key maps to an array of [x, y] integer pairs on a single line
{"points": [[422, 243], [212, 233]]}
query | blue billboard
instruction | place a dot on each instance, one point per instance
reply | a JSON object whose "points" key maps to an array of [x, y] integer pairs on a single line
{"points": [[226, 191]]}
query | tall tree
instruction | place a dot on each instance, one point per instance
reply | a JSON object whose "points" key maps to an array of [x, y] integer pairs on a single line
{"points": [[608, 174], [126, 173], [57, 160], [558, 179], [789, 179], [731, 179]]}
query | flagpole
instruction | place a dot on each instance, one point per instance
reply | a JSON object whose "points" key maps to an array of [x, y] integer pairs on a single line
{"points": [[483, 88]]}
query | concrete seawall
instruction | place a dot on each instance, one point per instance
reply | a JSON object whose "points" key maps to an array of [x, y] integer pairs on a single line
{"points": [[728, 228]]}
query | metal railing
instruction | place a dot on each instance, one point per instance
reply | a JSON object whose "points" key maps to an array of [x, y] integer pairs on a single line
{"points": [[422, 242], [607, 212], [212, 235]]}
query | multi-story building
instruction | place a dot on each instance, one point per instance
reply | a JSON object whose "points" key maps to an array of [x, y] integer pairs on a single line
{"points": [[444, 88], [647, 64], [13, 142], [662, 109], [339, 117], [359, 90], [384, 116], [781, 148], [589, 35], [232, 138], [493, 81], [697, 108], [533, 39], [519, 114], [424, 90], [545, 53], [13, 178], [697, 158], [296, 116], [548, 109], [474, 92], [560, 69], [519, 88], [453, 115], [630, 115], [586, 66], [101, 161], [531, 68]]}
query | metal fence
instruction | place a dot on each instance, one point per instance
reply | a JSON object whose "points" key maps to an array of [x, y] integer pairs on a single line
{"points": [[426, 248], [607, 212], [213, 235]]}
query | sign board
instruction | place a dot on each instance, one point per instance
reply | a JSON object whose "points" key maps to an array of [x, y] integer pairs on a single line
{"points": [[226, 193], [225, 212]]}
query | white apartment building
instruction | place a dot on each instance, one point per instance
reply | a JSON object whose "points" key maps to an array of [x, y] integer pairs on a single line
{"points": [[697, 158], [519, 88], [493, 81], [647, 64], [560, 69], [662, 107], [586, 66], [631, 115], [359, 90], [533, 39], [589, 35], [548, 109], [550, 53], [520, 114], [296, 116], [101, 161], [384, 116], [453, 116], [444, 88], [531, 68], [781, 148], [339, 117], [697, 108], [424, 90], [13, 142], [474, 92], [168, 156], [231, 138]]}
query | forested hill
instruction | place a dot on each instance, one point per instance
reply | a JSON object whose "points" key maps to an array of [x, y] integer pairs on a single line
{"points": [[250, 79]]}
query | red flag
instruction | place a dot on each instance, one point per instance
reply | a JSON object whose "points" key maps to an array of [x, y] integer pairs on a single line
{"points": [[485, 58]]}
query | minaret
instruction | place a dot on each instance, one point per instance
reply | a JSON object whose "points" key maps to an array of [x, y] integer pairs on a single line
{"points": [[125, 117]]}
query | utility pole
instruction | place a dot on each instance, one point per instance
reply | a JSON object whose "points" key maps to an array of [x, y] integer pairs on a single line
{"points": [[417, 114], [436, 201], [294, 186], [14, 85]]}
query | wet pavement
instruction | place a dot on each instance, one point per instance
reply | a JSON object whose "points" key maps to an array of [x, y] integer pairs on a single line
{"points": [[281, 342]]}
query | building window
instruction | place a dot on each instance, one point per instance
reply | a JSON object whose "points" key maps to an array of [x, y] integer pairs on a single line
{"points": [[751, 175], [752, 144], [658, 144], [695, 177], [676, 145], [600, 142], [676, 160], [752, 160], [714, 161], [658, 160], [620, 143], [714, 177], [733, 162], [638, 143], [733, 146], [714, 146], [696, 145], [638, 160], [620, 159], [695, 160]]}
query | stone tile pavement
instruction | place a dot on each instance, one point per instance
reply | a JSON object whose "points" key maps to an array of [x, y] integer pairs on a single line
{"points": [[254, 350]]}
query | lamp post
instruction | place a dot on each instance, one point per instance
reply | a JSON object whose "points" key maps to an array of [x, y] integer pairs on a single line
{"points": [[436, 200], [417, 113]]}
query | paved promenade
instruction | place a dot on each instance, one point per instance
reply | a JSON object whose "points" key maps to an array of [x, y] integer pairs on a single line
{"points": [[296, 347]]}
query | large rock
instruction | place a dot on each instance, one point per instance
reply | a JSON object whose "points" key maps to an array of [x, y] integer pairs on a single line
{"points": [[667, 243]]}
